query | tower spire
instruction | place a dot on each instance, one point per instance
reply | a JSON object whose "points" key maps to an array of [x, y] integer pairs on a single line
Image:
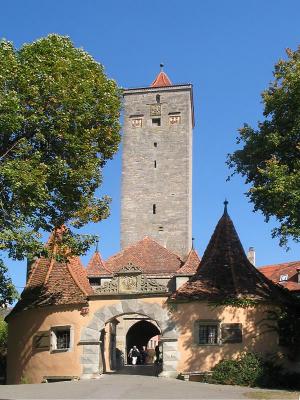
{"points": [[225, 206], [162, 78]]}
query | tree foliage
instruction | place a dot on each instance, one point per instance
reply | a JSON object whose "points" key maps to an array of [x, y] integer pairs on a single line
{"points": [[59, 124], [8, 292], [270, 157]]}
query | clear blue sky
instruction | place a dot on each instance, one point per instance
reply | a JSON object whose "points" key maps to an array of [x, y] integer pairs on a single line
{"points": [[227, 49]]}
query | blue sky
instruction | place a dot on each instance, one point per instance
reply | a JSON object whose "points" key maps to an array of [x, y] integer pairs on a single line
{"points": [[227, 49]]}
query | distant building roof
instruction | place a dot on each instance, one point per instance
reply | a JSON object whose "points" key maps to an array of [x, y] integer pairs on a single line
{"points": [[286, 274], [148, 255], [225, 272]]}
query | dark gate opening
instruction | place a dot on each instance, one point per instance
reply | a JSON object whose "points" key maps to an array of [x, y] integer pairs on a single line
{"points": [[139, 335]]}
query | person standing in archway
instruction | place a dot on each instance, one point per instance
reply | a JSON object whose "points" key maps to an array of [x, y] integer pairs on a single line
{"points": [[134, 354], [144, 355]]}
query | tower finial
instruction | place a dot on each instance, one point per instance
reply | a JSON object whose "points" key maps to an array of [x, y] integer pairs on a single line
{"points": [[161, 66], [225, 206], [97, 244], [193, 243]]}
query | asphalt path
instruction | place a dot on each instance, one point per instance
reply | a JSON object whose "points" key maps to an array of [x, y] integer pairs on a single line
{"points": [[126, 387]]}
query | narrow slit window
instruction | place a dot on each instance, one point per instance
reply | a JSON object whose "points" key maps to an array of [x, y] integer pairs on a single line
{"points": [[154, 163], [154, 208], [155, 144]]}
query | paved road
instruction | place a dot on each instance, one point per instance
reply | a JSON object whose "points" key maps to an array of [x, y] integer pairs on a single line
{"points": [[125, 387]]}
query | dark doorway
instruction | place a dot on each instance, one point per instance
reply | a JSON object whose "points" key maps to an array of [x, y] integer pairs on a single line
{"points": [[139, 335]]}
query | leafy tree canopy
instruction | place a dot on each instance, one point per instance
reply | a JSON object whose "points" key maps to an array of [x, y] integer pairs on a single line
{"points": [[270, 158], [59, 124]]}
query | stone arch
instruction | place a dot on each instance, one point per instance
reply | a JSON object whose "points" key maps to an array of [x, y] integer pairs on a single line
{"points": [[90, 335]]}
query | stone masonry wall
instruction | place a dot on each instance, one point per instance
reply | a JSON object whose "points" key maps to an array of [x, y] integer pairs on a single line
{"points": [[157, 169]]}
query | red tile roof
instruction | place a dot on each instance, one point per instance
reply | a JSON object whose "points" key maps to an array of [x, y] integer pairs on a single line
{"points": [[162, 79], [290, 269], [148, 255], [191, 265], [225, 271], [96, 266], [55, 283]]}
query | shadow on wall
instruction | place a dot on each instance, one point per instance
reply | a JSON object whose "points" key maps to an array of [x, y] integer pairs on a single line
{"points": [[259, 333], [22, 328]]}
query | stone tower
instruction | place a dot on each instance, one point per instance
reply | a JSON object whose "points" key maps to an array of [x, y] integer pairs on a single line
{"points": [[157, 165]]}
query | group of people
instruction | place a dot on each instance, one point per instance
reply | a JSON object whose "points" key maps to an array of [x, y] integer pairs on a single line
{"points": [[139, 356]]}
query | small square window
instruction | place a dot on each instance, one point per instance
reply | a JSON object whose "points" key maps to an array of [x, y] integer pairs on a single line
{"points": [[174, 119], [155, 144], [136, 122], [283, 278], [61, 338], [232, 333], [155, 121], [207, 333]]}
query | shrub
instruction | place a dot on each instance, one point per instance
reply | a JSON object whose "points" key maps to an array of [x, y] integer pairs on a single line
{"points": [[249, 369], [246, 370]]}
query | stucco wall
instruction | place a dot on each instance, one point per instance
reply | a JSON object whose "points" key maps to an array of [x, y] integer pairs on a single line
{"points": [[194, 357], [32, 365], [24, 361]]}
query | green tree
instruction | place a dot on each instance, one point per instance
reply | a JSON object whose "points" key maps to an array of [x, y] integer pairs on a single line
{"points": [[59, 124], [270, 157]]}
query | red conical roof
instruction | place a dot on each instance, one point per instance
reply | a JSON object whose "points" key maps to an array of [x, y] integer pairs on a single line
{"points": [[96, 267], [162, 79]]}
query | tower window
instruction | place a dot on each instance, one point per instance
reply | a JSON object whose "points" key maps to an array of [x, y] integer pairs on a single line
{"points": [[157, 98], [155, 144], [155, 121], [174, 119], [154, 163], [154, 208], [136, 122], [160, 229]]}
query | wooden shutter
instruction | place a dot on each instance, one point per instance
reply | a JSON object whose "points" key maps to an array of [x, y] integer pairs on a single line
{"points": [[232, 333], [41, 341]]}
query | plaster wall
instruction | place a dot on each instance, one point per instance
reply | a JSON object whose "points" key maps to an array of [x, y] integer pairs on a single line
{"points": [[201, 358], [30, 365], [24, 362]]}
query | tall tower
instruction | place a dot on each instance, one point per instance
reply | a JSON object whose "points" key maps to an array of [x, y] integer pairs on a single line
{"points": [[157, 165]]}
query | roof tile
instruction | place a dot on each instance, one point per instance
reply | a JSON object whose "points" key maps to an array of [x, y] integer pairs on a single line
{"points": [[225, 272], [147, 254]]}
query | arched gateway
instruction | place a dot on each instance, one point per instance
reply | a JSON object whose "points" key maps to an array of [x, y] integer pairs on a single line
{"points": [[92, 356]]}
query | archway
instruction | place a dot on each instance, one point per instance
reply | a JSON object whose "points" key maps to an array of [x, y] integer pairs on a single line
{"points": [[139, 335], [90, 335]]}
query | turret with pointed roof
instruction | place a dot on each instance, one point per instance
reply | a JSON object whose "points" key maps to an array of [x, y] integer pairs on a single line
{"points": [[162, 79], [52, 282], [96, 266], [225, 271]]}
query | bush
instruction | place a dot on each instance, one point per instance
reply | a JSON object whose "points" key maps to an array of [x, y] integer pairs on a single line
{"points": [[249, 369], [246, 370]]}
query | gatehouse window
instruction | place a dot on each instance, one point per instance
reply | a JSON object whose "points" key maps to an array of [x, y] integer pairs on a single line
{"points": [[61, 338], [232, 333], [207, 332]]}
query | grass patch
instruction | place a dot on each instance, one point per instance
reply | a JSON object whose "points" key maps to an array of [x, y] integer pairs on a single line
{"points": [[270, 395]]}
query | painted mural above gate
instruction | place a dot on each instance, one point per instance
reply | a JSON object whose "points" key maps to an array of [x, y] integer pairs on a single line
{"points": [[128, 280]]}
